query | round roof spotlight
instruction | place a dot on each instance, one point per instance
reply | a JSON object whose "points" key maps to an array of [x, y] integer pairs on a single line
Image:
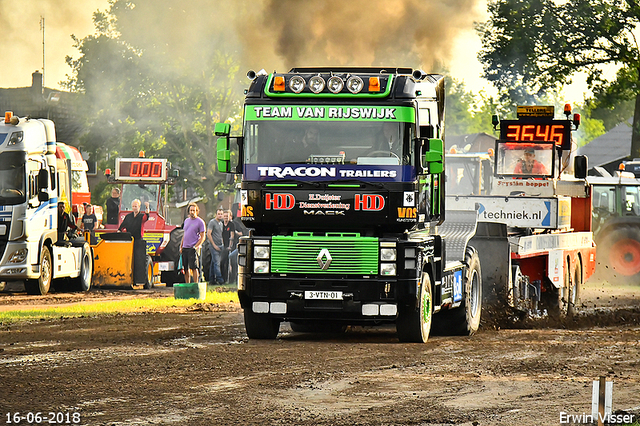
{"points": [[316, 84], [335, 84], [355, 84], [296, 84]]}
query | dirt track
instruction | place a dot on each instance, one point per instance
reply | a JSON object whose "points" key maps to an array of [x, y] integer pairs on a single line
{"points": [[196, 367]]}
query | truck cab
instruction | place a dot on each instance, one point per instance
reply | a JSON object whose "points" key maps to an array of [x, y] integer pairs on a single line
{"points": [[30, 188], [342, 185]]}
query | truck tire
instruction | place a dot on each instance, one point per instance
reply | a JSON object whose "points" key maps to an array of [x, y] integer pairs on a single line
{"points": [[622, 250], [465, 319], [557, 300], [172, 253], [260, 326], [148, 281], [42, 284], [83, 281], [414, 322]]}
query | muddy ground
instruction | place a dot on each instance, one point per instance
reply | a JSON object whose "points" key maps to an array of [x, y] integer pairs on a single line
{"points": [[195, 366]]}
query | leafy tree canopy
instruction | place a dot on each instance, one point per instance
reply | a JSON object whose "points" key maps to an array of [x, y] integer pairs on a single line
{"points": [[150, 95], [540, 44]]}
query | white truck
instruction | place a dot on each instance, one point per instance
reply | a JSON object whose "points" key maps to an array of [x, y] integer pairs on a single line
{"points": [[534, 231], [30, 188]]}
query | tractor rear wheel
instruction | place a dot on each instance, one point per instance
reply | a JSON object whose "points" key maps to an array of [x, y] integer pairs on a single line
{"points": [[621, 249]]}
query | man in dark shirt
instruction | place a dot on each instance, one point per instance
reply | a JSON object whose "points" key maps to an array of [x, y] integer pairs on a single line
{"points": [[113, 207], [133, 223], [64, 221]]}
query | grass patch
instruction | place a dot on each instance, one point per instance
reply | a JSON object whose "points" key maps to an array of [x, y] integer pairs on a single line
{"points": [[114, 307]]}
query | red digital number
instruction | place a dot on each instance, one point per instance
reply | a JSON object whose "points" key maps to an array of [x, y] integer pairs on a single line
{"points": [[146, 169], [135, 169], [557, 134], [156, 170]]}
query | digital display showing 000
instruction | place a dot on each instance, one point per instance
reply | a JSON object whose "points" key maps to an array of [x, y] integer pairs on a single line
{"points": [[141, 169], [521, 131]]}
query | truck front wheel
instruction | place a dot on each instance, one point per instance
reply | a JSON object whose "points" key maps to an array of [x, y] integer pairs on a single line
{"points": [[414, 322], [42, 284], [83, 281], [260, 326]]}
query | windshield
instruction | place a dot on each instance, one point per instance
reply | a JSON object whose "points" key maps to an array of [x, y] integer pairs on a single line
{"points": [[12, 178], [328, 142], [141, 192], [524, 159]]}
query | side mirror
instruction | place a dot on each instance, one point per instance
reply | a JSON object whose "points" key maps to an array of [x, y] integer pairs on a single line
{"points": [[223, 154], [580, 166], [433, 157], [43, 180]]}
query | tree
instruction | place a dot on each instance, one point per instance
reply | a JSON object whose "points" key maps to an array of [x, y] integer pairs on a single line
{"points": [[142, 96], [468, 112], [540, 44]]}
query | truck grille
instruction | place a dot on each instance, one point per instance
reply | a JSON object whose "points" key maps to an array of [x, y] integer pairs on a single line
{"points": [[348, 255]]}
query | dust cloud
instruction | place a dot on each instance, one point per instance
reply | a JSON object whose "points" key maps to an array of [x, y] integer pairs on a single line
{"points": [[417, 33], [270, 34]]}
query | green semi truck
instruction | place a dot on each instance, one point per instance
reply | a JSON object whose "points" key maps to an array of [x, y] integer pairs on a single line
{"points": [[343, 188]]}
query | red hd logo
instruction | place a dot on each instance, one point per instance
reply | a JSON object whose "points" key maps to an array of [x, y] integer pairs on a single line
{"points": [[368, 202], [279, 201]]}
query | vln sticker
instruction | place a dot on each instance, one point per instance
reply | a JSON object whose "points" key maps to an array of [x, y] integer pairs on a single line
{"points": [[409, 199], [457, 286]]}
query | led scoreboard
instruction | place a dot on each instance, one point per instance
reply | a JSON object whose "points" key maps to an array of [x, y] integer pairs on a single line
{"points": [[141, 169], [536, 124]]}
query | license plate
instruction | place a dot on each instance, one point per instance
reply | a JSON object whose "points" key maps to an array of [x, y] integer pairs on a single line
{"points": [[323, 295]]}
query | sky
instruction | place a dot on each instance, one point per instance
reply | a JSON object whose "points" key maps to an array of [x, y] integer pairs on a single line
{"points": [[20, 29]]}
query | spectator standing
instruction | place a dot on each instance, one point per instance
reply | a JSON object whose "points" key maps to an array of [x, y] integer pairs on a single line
{"points": [[89, 221], [192, 239], [214, 235], [228, 240], [64, 221], [113, 207], [133, 223]]}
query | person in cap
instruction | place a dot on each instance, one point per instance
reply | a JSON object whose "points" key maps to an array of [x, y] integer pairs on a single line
{"points": [[528, 165]]}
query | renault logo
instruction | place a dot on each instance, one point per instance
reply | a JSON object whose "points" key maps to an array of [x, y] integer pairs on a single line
{"points": [[324, 264]]}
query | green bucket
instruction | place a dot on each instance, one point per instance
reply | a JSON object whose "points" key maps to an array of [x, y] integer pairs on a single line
{"points": [[190, 291]]}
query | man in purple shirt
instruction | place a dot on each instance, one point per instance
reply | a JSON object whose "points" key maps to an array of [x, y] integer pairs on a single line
{"points": [[192, 239]]}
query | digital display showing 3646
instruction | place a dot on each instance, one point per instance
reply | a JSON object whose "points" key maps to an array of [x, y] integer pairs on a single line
{"points": [[525, 131]]}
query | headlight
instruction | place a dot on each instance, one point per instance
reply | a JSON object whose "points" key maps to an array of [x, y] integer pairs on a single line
{"points": [[355, 84], [387, 269], [388, 254], [316, 84], [335, 84], [296, 84], [261, 252], [242, 249], [18, 256], [261, 267], [15, 138]]}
